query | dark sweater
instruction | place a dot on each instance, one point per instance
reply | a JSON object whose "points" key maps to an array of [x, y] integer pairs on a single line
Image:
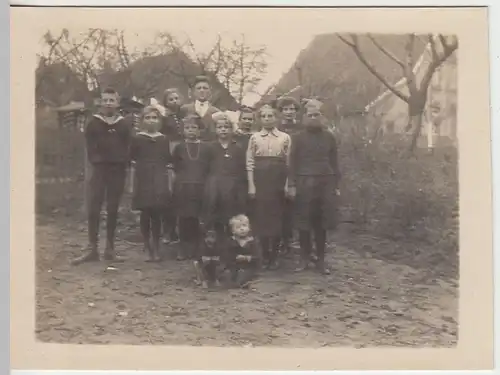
{"points": [[313, 153], [108, 143]]}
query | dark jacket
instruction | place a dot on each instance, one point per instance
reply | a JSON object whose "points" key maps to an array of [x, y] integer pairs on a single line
{"points": [[108, 142]]}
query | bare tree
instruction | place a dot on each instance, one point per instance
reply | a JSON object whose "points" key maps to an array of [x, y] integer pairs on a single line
{"points": [[237, 65], [98, 55], [441, 48]]}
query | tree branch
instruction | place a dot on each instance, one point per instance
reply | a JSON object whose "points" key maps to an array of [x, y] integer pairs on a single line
{"points": [[432, 43], [386, 52], [355, 47], [410, 64], [437, 62]]}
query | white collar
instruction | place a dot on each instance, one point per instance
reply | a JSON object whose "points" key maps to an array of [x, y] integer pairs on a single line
{"points": [[151, 135], [109, 120], [265, 132]]}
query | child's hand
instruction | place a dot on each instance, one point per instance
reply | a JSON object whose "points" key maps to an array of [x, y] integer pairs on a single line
{"points": [[240, 257], [249, 258], [337, 191], [251, 190], [291, 192]]}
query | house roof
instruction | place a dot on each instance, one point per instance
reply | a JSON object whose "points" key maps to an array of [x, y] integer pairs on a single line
{"points": [[330, 69]]}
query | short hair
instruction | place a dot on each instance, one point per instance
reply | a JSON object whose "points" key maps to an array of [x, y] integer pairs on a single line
{"points": [[246, 109], [313, 104], [192, 119], [268, 106], [170, 91], [110, 90], [217, 116], [238, 219], [286, 101], [199, 79]]}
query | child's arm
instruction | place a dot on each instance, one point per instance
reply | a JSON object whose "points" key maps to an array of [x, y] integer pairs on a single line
{"points": [[169, 166], [134, 149], [177, 158], [287, 149], [334, 157], [91, 139], [292, 161], [250, 165], [241, 163]]}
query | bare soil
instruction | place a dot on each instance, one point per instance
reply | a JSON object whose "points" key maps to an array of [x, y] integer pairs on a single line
{"points": [[365, 302]]}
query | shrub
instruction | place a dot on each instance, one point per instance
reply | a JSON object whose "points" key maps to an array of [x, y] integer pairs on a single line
{"points": [[389, 194]]}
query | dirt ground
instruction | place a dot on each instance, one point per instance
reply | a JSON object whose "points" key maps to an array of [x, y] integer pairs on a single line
{"points": [[364, 302]]}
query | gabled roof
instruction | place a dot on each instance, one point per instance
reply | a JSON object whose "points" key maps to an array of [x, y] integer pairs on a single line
{"points": [[332, 71]]}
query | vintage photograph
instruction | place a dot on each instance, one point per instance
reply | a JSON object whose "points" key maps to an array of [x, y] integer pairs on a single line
{"points": [[206, 186]]}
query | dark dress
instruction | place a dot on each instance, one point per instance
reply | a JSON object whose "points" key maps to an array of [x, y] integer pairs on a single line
{"points": [[315, 173], [226, 184], [151, 181], [191, 165]]}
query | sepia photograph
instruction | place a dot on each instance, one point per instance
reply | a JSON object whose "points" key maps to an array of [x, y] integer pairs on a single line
{"points": [[229, 184]]}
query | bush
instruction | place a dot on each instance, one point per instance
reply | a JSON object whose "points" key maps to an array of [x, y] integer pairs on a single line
{"points": [[392, 195]]}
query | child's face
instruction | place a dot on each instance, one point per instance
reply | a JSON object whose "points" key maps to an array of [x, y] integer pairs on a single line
{"points": [[191, 131], [241, 228], [109, 103], [173, 100], [151, 122], [313, 118], [268, 118], [210, 238], [202, 91], [246, 120], [289, 112], [223, 129]]}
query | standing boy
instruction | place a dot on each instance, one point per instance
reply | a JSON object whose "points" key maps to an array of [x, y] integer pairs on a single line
{"points": [[108, 137], [202, 107], [289, 110], [313, 180]]}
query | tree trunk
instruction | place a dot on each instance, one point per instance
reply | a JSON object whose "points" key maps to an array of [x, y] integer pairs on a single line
{"points": [[415, 123]]}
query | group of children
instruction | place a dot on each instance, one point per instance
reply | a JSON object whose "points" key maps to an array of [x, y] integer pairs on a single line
{"points": [[215, 186]]}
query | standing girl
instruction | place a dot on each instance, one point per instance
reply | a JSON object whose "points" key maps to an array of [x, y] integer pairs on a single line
{"points": [[191, 160], [172, 128], [226, 185], [267, 158], [152, 184]]}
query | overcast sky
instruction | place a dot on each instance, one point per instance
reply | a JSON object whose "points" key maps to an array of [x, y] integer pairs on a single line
{"points": [[282, 51], [285, 32]]}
